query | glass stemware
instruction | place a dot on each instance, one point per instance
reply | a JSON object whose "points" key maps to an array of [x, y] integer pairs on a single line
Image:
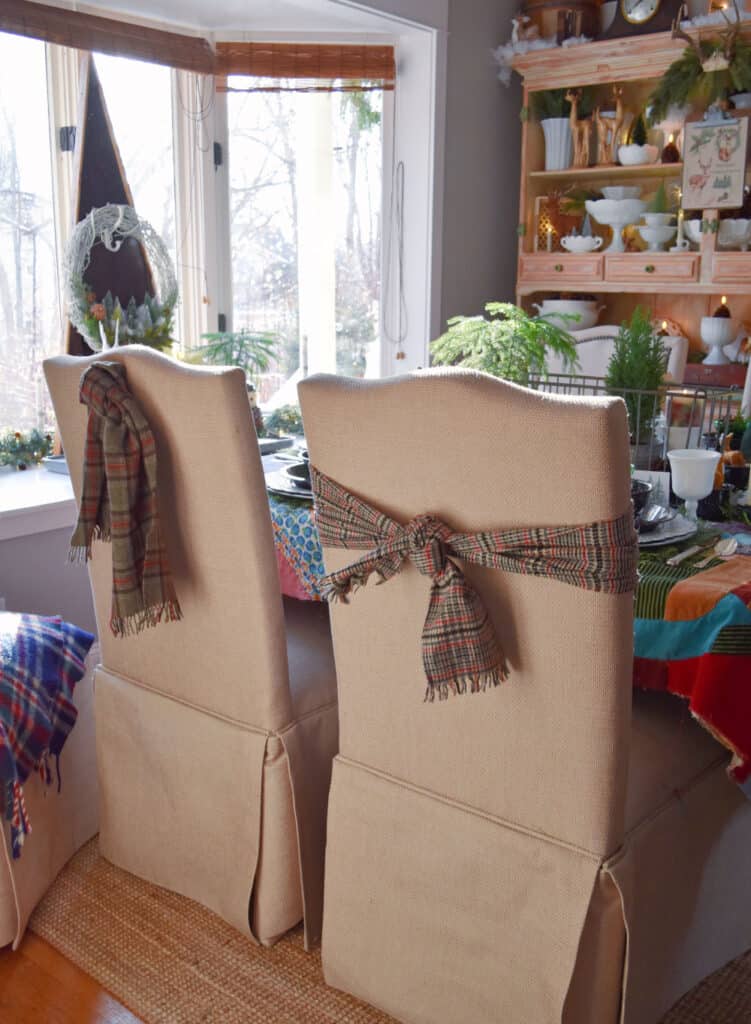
{"points": [[693, 471]]}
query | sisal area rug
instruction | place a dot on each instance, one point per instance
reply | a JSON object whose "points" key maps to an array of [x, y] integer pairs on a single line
{"points": [[170, 961]]}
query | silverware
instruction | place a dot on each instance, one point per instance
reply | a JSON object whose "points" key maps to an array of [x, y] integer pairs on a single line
{"points": [[693, 550], [724, 548]]}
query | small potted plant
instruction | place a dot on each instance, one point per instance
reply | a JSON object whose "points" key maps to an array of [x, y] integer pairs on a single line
{"points": [[508, 343], [553, 111], [638, 151], [635, 372]]}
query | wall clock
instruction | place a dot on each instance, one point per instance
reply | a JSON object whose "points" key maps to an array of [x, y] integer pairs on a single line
{"points": [[633, 17]]}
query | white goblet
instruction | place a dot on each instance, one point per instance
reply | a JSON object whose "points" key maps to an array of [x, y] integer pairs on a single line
{"points": [[693, 472], [716, 332]]}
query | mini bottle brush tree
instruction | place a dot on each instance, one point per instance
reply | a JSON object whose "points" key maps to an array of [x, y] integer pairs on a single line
{"points": [[639, 132], [636, 371]]}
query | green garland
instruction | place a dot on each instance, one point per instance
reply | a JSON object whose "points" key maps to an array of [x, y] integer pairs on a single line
{"points": [[686, 80], [24, 450]]}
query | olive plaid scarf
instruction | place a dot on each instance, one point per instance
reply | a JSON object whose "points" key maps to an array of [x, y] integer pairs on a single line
{"points": [[459, 647], [119, 502]]}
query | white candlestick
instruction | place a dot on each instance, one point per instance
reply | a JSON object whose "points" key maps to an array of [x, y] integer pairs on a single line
{"points": [[679, 238], [550, 239]]}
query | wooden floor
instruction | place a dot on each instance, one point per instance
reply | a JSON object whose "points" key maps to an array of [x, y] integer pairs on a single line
{"points": [[39, 986]]}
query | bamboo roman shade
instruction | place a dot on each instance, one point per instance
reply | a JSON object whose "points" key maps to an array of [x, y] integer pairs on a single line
{"points": [[305, 67], [105, 35]]}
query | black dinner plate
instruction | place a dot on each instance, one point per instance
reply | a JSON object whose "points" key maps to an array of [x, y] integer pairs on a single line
{"points": [[277, 482]]}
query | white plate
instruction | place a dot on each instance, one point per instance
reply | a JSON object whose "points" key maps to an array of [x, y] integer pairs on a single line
{"points": [[279, 483], [676, 529]]}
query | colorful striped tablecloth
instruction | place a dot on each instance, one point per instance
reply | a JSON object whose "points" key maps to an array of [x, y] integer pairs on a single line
{"points": [[692, 627], [692, 637]]}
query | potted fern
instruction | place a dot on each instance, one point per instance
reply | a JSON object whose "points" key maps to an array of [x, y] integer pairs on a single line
{"points": [[553, 111], [635, 372], [508, 343]]}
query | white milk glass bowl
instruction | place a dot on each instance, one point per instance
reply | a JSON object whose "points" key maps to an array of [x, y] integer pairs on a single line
{"points": [[734, 233], [617, 214], [692, 231], [692, 471], [656, 235]]}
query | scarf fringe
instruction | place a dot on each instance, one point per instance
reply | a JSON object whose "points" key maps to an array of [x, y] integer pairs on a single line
{"points": [[147, 618], [340, 590], [80, 553], [466, 684], [16, 814]]}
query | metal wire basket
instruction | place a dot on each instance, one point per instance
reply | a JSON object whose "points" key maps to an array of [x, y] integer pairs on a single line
{"points": [[673, 416]]}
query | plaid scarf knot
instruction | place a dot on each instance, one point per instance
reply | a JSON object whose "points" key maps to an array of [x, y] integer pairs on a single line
{"points": [[460, 651], [425, 542]]}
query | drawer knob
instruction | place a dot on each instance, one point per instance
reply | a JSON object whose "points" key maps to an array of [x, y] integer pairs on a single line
{"points": [[558, 268], [650, 268]]}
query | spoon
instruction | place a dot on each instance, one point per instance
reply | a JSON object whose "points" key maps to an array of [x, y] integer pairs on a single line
{"points": [[724, 548]]}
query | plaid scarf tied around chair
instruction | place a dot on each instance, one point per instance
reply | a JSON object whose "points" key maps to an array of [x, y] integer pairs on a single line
{"points": [[119, 502], [460, 650]]}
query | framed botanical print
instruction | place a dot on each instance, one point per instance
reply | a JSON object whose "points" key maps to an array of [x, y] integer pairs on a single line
{"points": [[714, 164]]}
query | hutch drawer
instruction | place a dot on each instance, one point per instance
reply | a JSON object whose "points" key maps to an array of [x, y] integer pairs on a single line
{"points": [[728, 376], [647, 268], [732, 267], [580, 271]]}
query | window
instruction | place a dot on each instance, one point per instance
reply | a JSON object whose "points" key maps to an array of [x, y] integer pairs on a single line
{"points": [[30, 326], [139, 103], [305, 172]]}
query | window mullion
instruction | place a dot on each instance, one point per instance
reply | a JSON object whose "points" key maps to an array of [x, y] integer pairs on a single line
{"points": [[63, 100], [202, 193]]}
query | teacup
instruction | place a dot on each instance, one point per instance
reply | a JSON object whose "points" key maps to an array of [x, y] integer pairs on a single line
{"points": [[581, 243]]}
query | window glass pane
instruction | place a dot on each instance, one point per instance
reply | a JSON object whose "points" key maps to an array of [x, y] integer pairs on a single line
{"points": [[138, 96], [305, 194], [30, 326]]}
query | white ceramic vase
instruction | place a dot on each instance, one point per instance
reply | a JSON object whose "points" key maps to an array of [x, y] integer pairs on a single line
{"points": [[559, 145]]}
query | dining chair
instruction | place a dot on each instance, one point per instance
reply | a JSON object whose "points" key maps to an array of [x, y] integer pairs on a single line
{"points": [[557, 848], [594, 347], [215, 733]]}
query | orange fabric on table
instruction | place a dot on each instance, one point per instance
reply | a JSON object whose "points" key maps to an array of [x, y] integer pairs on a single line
{"points": [[694, 597]]}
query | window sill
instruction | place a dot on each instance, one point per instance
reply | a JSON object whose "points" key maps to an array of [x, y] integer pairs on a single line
{"points": [[35, 501]]}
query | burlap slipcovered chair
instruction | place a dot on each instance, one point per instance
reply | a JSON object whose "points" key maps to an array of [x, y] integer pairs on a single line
{"points": [[61, 821], [214, 734], [558, 848]]}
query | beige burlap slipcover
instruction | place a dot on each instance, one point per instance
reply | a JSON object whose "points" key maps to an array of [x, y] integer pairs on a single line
{"points": [[215, 734], [557, 848]]}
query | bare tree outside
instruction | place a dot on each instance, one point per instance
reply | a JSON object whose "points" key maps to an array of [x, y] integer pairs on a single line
{"points": [[30, 327], [265, 195]]}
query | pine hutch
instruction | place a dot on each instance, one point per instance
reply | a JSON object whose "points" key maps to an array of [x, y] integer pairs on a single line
{"points": [[677, 286]]}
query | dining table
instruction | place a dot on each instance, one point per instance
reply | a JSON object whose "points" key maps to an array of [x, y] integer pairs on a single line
{"points": [[692, 620]]}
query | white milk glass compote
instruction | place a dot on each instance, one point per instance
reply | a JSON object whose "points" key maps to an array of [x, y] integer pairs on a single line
{"points": [[693, 472]]}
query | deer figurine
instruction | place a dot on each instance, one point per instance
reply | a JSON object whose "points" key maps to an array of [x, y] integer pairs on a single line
{"points": [[580, 130], [608, 129]]}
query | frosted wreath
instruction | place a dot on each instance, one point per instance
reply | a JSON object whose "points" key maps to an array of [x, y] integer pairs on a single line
{"points": [[109, 226]]}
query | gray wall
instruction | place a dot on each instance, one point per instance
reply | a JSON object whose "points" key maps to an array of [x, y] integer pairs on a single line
{"points": [[483, 144], [36, 577]]}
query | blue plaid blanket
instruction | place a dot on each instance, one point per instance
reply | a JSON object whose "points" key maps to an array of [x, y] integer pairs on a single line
{"points": [[41, 660]]}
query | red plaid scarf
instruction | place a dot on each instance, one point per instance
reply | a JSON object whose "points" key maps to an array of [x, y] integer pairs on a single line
{"points": [[459, 647], [119, 502]]}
